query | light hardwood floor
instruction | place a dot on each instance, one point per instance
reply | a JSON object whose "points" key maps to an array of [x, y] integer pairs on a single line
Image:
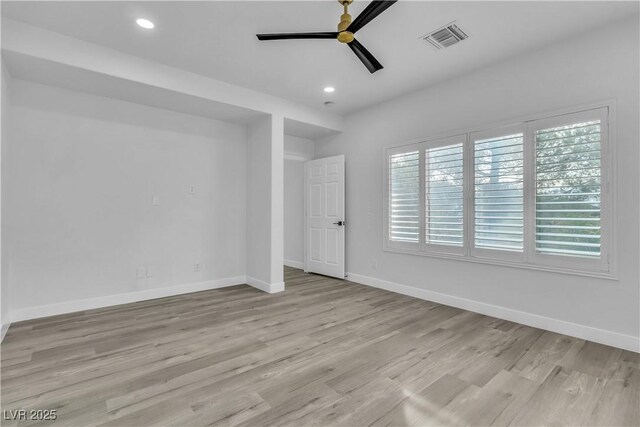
{"points": [[324, 352]]}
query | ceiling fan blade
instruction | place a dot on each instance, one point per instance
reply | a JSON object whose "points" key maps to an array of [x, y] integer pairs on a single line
{"points": [[292, 36], [370, 12], [365, 56]]}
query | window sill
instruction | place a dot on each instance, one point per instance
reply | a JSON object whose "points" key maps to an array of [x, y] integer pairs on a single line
{"points": [[467, 258]]}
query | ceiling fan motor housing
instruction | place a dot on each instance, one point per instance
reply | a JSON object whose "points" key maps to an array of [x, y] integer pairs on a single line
{"points": [[345, 37]]}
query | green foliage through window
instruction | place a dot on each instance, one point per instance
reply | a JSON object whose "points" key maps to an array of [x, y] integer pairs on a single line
{"points": [[568, 185]]}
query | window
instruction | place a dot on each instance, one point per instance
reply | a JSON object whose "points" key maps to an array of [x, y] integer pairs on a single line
{"points": [[404, 197], [534, 194], [498, 191], [571, 209], [444, 194]]}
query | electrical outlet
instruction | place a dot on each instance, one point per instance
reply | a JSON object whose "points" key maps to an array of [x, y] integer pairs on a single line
{"points": [[374, 264], [192, 189], [150, 271], [155, 200], [141, 273], [196, 267]]}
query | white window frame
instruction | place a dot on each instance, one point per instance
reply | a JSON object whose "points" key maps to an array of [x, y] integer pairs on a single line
{"points": [[603, 267]]}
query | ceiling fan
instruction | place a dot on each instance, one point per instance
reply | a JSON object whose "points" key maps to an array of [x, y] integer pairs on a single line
{"points": [[346, 31]]}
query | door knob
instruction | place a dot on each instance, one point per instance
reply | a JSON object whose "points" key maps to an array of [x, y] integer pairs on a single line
{"points": [[339, 223]]}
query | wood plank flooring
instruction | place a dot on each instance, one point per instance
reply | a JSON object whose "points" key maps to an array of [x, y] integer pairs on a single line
{"points": [[325, 352]]}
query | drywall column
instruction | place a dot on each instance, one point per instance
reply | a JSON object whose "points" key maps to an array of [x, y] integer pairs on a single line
{"points": [[265, 204], [5, 319], [277, 202]]}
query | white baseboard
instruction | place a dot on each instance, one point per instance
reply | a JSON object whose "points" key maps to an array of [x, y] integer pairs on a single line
{"points": [[5, 328], [110, 300], [271, 288], [294, 264], [589, 333]]}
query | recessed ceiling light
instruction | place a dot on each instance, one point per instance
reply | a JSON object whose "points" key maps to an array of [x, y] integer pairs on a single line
{"points": [[145, 23], [329, 89]]}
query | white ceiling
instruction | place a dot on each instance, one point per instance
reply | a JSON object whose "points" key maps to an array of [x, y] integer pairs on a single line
{"points": [[217, 39]]}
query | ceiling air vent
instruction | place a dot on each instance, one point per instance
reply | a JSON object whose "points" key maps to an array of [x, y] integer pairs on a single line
{"points": [[446, 36]]}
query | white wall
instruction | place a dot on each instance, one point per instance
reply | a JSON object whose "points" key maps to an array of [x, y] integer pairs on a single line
{"points": [[258, 235], [265, 201], [4, 282], [293, 213], [297, 148], [277, 203], [296, 151], [600, 65], [83, 171]]}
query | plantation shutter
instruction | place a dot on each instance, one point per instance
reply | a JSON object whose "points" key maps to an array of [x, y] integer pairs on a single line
{"points": [[498, 192], [536, 194], [568, 189], [404, 197], [444, 191]]}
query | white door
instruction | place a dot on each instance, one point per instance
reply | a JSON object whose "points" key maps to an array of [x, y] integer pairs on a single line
{"points": [[324, 216]]}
